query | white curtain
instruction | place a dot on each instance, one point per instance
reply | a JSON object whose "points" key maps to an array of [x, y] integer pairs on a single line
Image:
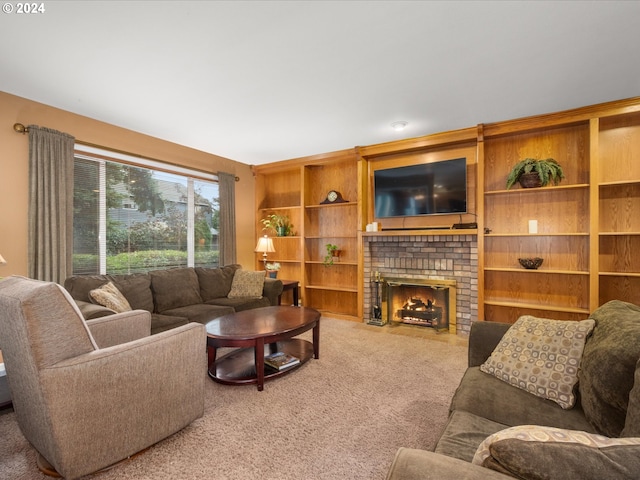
{"points": [[50, 244]]}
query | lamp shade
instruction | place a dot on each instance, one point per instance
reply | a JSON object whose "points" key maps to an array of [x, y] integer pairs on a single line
{"points": [[265, 245], [2, 260]]}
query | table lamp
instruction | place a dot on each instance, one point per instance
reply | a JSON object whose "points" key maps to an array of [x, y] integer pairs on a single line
{"points": [[265, 245], [2, 260]]}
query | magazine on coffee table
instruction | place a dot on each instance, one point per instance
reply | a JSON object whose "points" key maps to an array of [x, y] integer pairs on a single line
{"points": [[281, 360]]}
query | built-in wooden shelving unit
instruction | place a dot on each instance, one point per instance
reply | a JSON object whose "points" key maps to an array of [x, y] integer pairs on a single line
{"points": [[588, 225]]}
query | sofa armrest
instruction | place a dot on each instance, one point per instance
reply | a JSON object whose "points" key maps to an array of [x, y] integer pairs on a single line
{"points": [[272, 290], [91, 310], [412, 464], [120, 328], [483, 339]]}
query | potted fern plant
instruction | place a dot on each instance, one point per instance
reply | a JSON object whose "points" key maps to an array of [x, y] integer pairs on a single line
{"points": [[532, 172]]}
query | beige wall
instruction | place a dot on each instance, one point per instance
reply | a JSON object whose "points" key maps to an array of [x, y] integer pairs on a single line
{"points": [[14, 172]]}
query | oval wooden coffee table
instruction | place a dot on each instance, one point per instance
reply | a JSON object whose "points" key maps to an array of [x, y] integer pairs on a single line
{"points": [[250, 331]]}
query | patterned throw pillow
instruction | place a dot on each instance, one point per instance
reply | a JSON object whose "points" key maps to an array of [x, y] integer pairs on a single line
{"points": [[247, 284], [541, 356], [109, 296]]}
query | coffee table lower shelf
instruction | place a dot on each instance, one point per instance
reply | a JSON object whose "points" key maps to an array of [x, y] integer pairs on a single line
{"points": [[238, 366]]}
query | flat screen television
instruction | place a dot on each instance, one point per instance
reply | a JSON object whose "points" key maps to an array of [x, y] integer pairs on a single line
{"points": [[436, 188]]}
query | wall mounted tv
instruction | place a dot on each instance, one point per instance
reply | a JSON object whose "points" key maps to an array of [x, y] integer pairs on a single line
{"points": [[436, 188]]}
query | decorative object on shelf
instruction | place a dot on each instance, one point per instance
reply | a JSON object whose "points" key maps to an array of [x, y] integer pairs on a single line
{"points": [[333, 254], [264, 246], [272, 269], [530, 263], [532, 172], [280, 224], [333, 197]]}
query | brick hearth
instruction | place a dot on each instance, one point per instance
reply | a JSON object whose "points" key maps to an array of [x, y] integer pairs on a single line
{"points": [[450, 257]]}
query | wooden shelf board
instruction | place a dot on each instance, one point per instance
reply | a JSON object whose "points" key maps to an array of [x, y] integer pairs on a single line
{"points": [[424, 232], [271, 260], [518, 191], [537, 306], [614, 234], [333, 205], [333, 288], [320, 237], [575, 234], [618, 183], [524, 270], [619, 274], [320, 262], [292, 207]]}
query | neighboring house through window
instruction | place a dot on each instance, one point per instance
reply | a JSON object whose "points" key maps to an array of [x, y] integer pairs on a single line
{"points": [[134, 215]]}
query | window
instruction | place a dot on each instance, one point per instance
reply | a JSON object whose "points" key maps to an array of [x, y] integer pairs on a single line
{"points": [[135, 218]]}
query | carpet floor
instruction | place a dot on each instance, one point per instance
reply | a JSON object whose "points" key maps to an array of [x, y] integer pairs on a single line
{"points": [[343, 416]]}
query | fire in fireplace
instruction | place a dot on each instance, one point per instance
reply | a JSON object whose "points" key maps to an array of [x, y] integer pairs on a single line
{"points": [[425, 302]]}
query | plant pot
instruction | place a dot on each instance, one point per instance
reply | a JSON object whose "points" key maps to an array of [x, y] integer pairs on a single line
{"points": [[272, 274], [281, 231], [530, 180]]}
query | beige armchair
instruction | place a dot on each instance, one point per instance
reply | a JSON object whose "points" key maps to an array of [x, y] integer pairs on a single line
{"points": [[83, 399]]}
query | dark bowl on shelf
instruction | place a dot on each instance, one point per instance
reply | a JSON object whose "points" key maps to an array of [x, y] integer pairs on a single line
{"points": [[530, 263]]}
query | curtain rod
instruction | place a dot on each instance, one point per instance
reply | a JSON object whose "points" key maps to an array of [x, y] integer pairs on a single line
{"points": [[20, 128]]}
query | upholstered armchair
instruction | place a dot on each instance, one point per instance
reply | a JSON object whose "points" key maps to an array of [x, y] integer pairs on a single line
{"points": [[84, 399]]}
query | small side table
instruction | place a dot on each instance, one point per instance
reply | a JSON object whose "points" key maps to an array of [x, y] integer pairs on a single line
{"points": [[290, 285]]}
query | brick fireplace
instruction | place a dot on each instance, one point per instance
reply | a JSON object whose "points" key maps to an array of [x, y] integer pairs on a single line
{"points": [[424, 258]]}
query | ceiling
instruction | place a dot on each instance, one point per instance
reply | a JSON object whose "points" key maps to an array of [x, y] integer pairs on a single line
{"points": [[262, 81]]}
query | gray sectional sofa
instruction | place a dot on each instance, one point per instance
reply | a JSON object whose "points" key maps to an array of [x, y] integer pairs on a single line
{"points": [[607, 404], [175, 296]]}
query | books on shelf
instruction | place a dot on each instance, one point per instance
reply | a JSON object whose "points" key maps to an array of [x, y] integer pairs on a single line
{"points": [[281, 360]]}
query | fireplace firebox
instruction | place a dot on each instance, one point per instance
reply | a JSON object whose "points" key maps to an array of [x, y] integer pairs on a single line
{"points": [[420, 301]]}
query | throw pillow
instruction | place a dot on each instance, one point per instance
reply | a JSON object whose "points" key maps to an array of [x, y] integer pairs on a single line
{"points": [[535, 453], [247, 284], [541, 356], [109, 296]]}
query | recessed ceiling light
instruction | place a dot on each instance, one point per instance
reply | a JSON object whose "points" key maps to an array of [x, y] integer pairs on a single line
{"points": [[398, 126]]}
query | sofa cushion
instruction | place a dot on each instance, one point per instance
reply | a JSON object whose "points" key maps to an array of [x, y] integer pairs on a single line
{"points": [[160, 323], [463, 434], [241, 303], [79, 286], [137, 290], [109, 296], [609, 364], [537, 453], [541, 356], [486, 396], [174, 288], [247, 284], [215, 282], [632, 421], [200, 312]]}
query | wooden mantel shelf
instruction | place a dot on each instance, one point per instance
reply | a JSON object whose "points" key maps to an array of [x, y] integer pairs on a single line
{"points": [[425, 232]]}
